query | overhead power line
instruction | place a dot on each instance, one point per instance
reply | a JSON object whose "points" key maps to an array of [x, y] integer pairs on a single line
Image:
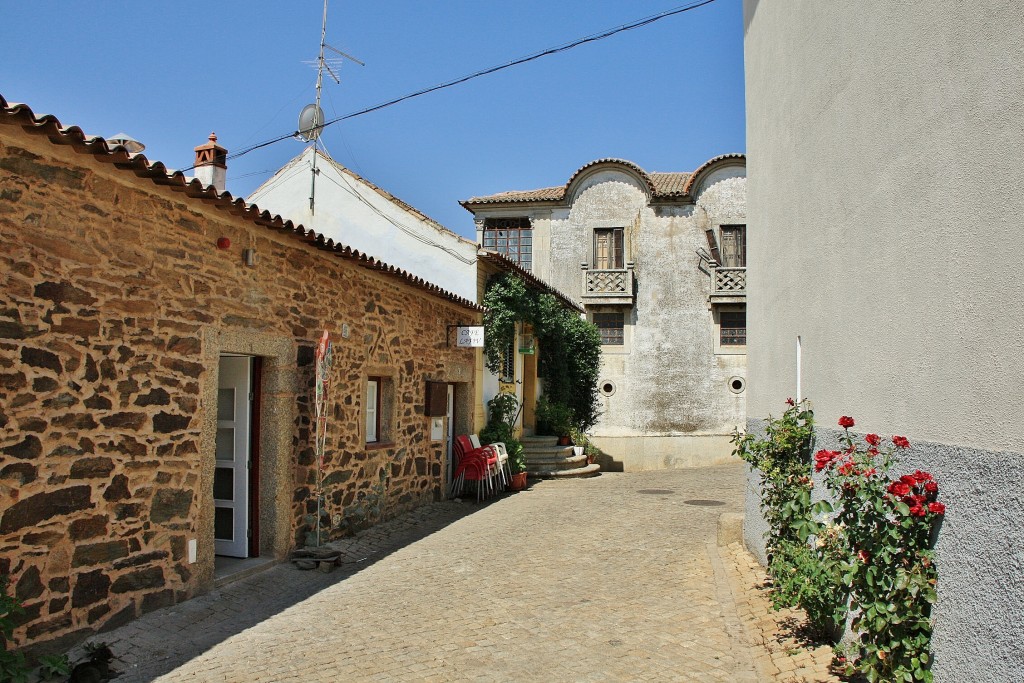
{"points": [[484, 72]]}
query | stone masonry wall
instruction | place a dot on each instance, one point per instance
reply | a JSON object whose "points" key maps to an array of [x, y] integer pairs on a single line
{"points": [[110, 287]]}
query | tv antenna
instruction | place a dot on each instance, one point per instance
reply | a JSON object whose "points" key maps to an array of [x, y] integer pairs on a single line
{"points": [[311, 118]]}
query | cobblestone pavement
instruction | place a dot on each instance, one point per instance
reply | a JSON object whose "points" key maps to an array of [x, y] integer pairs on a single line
{"points": [[615, 578]]}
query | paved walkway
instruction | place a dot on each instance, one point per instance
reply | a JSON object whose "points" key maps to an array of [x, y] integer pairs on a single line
{"points": [[616, 578]]}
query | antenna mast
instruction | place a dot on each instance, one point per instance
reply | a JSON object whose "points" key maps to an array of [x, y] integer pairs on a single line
{"points": [[310, 128]]}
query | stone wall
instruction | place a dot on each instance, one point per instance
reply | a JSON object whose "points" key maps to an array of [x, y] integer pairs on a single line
{"points": [[115, 305]]}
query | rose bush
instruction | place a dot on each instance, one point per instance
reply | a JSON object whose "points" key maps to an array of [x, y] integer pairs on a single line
{"points": [[887, 527]]}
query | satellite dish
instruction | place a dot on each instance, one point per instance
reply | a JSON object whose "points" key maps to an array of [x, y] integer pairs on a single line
{"points": [[130, 144], [311, 121]]}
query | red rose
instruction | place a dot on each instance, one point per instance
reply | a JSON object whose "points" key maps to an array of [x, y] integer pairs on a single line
{"points": [[918, 511], [790, 402], [823, 459], [931, 487], [845, 422], [898, 488], [900, 442], [909, 480], [937, 508], [872, 451], [873, 439], [922, 477]]}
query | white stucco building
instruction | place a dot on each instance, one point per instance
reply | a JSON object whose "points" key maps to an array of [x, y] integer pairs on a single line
{"points": [[658, 262], [353, 211], [885, 200]]}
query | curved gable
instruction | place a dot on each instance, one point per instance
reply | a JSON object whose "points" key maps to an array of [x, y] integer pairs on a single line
{"points": [[713, 170], [627, 168]]}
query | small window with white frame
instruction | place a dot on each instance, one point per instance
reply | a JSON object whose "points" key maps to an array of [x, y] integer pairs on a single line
{"points": [[373, 393]]}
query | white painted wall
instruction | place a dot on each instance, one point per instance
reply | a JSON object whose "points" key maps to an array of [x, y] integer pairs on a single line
{"points": [[354, 213], [886, 195]]}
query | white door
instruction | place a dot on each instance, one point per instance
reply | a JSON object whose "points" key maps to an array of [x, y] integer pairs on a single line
{"points": [[231, 473], [449, 429]]}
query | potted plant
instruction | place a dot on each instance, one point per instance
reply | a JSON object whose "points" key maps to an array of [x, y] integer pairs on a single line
{"points": [[557, 417], [579, 441], [516, 464]]}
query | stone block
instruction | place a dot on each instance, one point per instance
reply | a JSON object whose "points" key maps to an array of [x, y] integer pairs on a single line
{"points": [[43, 506], [166, 423], [38, 358], [63, 292], [21, 472], [150, 577], [133, 421], [29, 586], [169, 504], [99, 553], [87, 527], [90, 588], [92, 468], [118, 489]]}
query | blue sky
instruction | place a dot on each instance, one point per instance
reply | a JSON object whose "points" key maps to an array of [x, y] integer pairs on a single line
{"points": [[667, 96]]}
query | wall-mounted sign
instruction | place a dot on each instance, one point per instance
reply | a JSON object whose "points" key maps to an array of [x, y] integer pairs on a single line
{"points": [[470, 337], [526, 344]]}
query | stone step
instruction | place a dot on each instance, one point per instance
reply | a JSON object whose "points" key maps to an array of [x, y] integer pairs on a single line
{"points": [[586, 471], [531, 441], [554, 462], [546, 451]]}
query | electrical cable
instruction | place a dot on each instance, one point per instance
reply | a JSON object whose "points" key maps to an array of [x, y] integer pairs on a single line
{"points": [[484, 72]]}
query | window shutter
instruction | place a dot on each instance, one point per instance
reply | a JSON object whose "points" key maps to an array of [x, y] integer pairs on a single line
{"points": [[372, 388]]}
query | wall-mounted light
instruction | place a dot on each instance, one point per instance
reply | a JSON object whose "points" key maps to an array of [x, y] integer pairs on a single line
{"points": [[250, 257], [223, 243]]}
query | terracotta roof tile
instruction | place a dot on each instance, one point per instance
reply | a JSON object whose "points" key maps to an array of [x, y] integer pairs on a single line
{"points": [[661, 185], [49, 126]]}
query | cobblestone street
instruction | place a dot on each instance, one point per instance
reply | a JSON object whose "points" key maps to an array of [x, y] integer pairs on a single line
{"points": [[623, 577]]}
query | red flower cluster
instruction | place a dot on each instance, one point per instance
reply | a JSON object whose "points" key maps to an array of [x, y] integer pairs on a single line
{"points": [[873, 439], [919, 491], [823, 459], [900, 442], [846, 422]]}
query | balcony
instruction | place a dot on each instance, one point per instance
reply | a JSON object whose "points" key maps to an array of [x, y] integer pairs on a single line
{"points": [[607, 286], [728, 285]]}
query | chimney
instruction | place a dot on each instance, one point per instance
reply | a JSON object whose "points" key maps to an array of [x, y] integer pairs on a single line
{"points": [[211, 164]]}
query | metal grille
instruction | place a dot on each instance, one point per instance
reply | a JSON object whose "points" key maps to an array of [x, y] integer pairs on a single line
{"points": [[611, 327], [734, 328]]}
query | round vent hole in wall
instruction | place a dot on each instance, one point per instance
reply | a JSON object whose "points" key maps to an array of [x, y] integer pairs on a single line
{"points": [[607, 387], [737, 385]]}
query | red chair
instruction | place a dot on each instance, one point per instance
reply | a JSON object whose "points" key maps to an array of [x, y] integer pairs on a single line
{"points": [[474, 464]]}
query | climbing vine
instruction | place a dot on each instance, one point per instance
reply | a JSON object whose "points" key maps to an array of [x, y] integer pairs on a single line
{"points": [[570, 347]]}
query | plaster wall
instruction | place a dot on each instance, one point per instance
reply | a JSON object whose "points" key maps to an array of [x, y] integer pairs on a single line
{"points": [[885, 197], [352, 212], [671, 405]]}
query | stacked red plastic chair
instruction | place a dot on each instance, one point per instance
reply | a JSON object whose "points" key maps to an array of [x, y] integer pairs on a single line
{"points": [[474, 464]]}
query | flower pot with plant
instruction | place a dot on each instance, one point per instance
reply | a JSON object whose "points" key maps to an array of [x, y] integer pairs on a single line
{"points": [[557, 417]]}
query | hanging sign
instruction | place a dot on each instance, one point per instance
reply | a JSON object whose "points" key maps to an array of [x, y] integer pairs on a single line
{"points": [[470, 337]]}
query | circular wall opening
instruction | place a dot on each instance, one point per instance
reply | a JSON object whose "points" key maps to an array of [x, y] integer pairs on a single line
{"points": [[606, 387], [737, 385]]}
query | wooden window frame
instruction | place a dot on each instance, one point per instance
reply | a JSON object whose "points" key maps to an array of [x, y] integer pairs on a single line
{"points": [[512, 238], [726, 255], [378, 384], [613, 255]]}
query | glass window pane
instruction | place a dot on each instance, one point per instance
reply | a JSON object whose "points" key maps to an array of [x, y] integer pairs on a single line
{"points": [[225, 404], [224, 483], [225, 443], [224, 524]]}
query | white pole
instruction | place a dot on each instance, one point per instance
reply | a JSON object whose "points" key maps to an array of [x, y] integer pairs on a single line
{"points": [[799, 362]]}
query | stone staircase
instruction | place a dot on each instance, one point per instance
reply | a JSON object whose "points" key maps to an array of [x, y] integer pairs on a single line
{"points": [[545, 459]]}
